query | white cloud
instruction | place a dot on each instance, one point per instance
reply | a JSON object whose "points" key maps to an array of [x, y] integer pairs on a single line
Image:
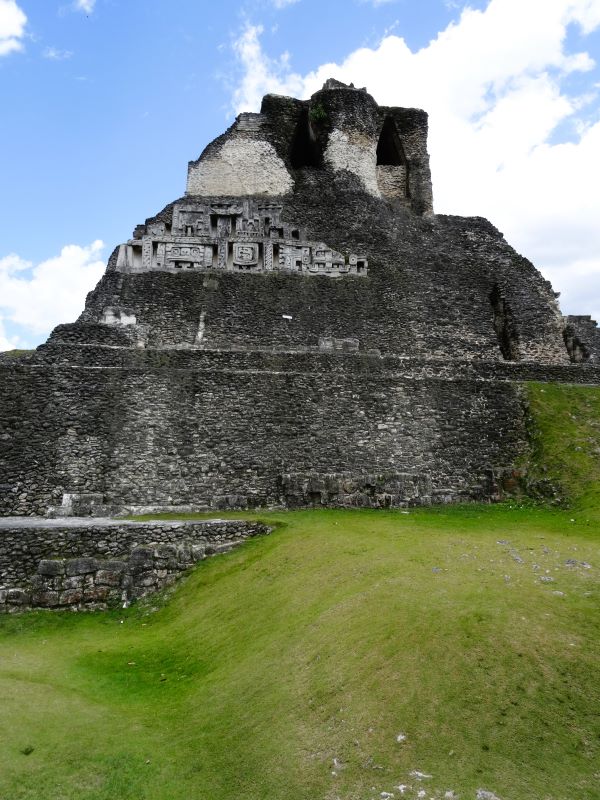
{"points": [[261, 74], [8, 342], [87, 6], [54, 54], [495, 86], [38, 297], [12, 27], [283, 3]]}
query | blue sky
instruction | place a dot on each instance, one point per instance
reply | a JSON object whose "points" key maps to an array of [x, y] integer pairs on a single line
{"points": [[105, 101]]}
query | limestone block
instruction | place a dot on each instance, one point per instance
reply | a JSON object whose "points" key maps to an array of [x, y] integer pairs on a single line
{"points": [[166, 551], [45, 599], [107, 577], [71, 597], [198, 552], [80, 566], [96, 594], [146, 580], [142, 558], [73, 582], [17, 597], [51, 567], [116, 566]]}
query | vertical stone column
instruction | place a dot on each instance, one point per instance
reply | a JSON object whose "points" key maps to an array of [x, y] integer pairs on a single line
{"points": [[268, 256], [222, 254], [146, 254]]}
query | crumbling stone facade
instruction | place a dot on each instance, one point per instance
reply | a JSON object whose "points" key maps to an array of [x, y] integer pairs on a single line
{"points": [[298, 329], [582, 339], [86, 565]]}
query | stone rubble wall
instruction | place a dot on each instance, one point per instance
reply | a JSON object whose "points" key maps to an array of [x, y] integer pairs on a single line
{"points": [[331, 356], [225, 437], [131, 428], [96, 567]]}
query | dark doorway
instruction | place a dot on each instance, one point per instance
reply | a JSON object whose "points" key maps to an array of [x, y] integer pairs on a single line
{"points": [[389, 147], [305, 150], [505, 328]]}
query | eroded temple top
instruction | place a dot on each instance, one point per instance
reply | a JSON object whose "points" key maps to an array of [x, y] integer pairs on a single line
{"points": [[340, 133]]}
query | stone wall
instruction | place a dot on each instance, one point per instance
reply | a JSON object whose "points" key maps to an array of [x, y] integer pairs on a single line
{"points": [[96, 566], [225, 433]]}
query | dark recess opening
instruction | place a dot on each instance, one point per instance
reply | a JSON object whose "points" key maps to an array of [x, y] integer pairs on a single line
{"points": [[305, 150], [389, 147], [504, 325], [576, 349]]}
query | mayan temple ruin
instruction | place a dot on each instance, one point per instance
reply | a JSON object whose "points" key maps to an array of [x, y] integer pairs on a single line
{"points": [[299, 328]]}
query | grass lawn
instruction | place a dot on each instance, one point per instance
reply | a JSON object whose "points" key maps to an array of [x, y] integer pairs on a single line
{"points": [[288, 669]]}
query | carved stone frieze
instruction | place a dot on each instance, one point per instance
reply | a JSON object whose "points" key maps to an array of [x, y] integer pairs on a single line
{"points": [[237, 237]]}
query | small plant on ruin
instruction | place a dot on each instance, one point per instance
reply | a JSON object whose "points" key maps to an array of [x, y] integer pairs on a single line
{"points": [[317, 113]]}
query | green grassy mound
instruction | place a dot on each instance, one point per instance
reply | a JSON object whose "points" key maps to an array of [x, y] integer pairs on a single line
{"points": [[289, 669], [565, 436]]}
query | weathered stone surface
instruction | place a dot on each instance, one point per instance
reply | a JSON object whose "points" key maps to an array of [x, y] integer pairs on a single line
{"points": [[80, 566], [240, 166], [141, 558], [71, 597], [47, 599], [49, 568], [98, 579], [17, 597], [96, 594], [582, 339], [108, 577]]}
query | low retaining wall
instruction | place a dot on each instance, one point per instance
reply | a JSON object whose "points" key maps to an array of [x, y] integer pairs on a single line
{"points": [[87, 565]]}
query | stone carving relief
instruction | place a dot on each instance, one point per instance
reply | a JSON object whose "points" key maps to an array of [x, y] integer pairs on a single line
{"points": [[236, 237]]}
